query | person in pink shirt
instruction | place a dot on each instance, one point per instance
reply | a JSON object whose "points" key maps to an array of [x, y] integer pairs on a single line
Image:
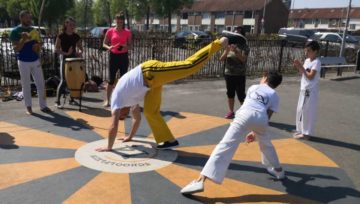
{"points": [[118, 41]]}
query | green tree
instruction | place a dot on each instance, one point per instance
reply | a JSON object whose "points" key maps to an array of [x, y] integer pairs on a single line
{"points": [[4, 15], [14, 7], [142, 7], [134, 8], [101, 9], [165, 8], [83, 12], [54, 10], [117, 6]]}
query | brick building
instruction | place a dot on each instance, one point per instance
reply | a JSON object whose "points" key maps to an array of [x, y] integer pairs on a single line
{"points": [[215, 15], [327, 18]]}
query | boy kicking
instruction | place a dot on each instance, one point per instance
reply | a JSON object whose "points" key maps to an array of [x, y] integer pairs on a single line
{"points": [[145, 82], [252, 118]]}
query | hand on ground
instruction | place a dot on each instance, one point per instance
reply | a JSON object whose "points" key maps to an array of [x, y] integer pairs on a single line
{"points": [[126, 139], [103, 149]]}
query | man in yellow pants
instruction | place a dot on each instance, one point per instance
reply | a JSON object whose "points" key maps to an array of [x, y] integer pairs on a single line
{"points": [[145, 82]]}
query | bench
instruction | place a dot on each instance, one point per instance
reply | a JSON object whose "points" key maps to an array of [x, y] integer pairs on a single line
{"points": [[334, 63]]}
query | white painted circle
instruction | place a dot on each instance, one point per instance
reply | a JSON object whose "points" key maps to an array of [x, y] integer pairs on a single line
{"points": [[135, 156]]}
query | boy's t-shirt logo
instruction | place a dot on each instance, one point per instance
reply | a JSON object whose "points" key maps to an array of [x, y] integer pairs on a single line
{"points": [[259, 97]]}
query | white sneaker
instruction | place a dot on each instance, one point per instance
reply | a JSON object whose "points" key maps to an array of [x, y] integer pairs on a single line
{"points": [[59, 106], [193, 187], [277, 174]]}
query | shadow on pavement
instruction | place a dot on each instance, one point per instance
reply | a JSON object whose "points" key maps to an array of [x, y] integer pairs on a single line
{"points": [[252, 198], [296, 188], [282, 126], [99, 112], [7, 141], [172, 114], [334, 143], [346, 78], [321, 194], [290, 128], [60, 121], [93, 100]]}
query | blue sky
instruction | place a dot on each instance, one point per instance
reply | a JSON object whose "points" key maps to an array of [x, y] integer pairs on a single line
{"points": [[323, 3]]}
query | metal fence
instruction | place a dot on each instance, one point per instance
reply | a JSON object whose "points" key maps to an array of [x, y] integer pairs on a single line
{"points": [[264, 55]]}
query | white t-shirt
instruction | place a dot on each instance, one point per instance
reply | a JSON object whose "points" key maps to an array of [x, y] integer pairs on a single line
{"points": [[130, 90], [311, 65], [261, 97]]}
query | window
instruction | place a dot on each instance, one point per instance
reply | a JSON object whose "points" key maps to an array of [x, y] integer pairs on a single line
{"points": [[324, 21], [219, 28], [184, 27], [206, 16], [308, 21], [248, 14], [205, 27], [332, 38], [184, 16], [220, 15]]}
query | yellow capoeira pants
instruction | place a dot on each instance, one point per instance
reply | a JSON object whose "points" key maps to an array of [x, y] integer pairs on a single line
{"points": [[157, 73]]}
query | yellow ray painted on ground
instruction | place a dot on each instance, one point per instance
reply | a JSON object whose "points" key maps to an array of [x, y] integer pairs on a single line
{"points": [[18, 173], [104, 188], [12, 134], [190, 123], [99, 124], [231, 191], [290, 151]]}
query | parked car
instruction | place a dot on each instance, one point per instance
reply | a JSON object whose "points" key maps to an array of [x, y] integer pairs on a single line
{"points": [[96, 37], [98, 32], [351, 42], [296, 32], [357, 37], [184, 38], [295, 37], [294, 40]]}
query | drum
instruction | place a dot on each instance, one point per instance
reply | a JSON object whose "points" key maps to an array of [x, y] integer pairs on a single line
{"points": [[75, 75]]}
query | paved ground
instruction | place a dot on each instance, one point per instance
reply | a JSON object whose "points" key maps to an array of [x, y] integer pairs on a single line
{"points": [[38, 166]]}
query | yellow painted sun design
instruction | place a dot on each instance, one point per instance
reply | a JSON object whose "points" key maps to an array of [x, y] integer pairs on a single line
{"points": [[51, 162]]}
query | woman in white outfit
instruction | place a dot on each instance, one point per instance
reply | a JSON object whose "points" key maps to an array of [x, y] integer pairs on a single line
{"points": [[253, 116], [309, 90]]}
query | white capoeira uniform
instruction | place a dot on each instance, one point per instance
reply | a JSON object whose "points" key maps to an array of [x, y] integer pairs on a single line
{"points": [[308, 99], [252, 116], [28, 69]]}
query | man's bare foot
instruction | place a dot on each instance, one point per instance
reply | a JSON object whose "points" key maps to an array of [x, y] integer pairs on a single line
{"points": [[125, 139], [29, 111], [301, 136], [224, 41], [103, 149], [106, 104]]}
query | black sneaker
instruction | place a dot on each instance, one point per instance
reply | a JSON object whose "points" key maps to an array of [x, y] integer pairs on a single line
{"points": [[234, 38], [167, 145]]}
